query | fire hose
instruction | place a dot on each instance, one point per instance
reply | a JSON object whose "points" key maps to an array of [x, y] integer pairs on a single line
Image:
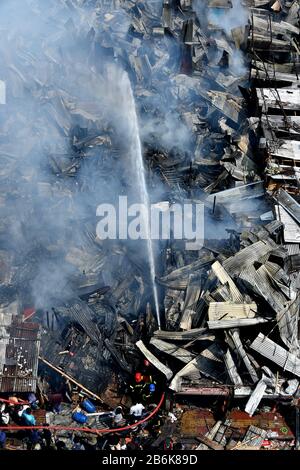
{"points": [[95, 430]]}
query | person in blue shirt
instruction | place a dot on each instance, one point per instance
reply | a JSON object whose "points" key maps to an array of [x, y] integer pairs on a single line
{"points": [[2, 439], [28, 417]]}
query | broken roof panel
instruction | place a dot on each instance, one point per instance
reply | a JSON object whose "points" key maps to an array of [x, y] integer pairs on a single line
{"points": [[219, 311], [235, 323], [291, 230], [151, 358], [275, 353], [190, 335], [234, 336], [288, 203], [181, 354], [206, 363], [267, 381], [285, 149], [232, 370], [247, 256], [224, 278], [19, 353], [261, 282], [287, 98]]}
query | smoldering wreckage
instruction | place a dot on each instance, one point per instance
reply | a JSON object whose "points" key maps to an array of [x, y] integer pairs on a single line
{"points": [[216, 87]]}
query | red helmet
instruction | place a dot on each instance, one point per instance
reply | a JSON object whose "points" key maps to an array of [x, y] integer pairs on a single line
{"points": [[146, 363], [138, 377]]}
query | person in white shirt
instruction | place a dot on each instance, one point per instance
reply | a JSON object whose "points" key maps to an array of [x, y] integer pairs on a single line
{"points": [[137, 410], [118, 418]]}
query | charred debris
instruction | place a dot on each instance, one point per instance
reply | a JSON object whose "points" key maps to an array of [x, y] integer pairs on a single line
{"points": [[230, 311]]}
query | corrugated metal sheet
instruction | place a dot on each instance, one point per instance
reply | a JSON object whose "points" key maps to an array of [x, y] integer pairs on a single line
{"points": [[288, 326], [79, 312], [235, 337], [286, 149], [274, 98], [267, 380], [293, 263], [205, 363], [232, 370], [234, 195], [181, 354], [277, 272], [288, 203], [293, 248], [235, 323], [224, 278], [182, 335], [18, 368], [275, 353], [260, 282], [229, 310], [151, 358], [291, 229], [190, 303], [185, 271], [246, 257]]}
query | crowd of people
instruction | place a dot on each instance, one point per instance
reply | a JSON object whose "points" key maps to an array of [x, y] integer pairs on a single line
{"points": [[139, 433]]}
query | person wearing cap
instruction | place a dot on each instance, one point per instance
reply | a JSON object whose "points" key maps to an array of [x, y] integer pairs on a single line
{"points": [[149, 392], [138, 387], [146, 370], [118, 418]]}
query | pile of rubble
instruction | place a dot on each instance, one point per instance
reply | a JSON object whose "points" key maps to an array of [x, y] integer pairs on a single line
{"points": [[232, 313], [230, 323], [274, 45], [64, 151]]}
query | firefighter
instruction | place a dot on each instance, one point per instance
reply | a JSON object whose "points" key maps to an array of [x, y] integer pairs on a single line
{"points": [[149, 392], [137, 389], [147, 376]]}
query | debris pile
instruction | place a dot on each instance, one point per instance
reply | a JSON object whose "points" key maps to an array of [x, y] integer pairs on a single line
{"points": [[229, 310], [274, 47]]}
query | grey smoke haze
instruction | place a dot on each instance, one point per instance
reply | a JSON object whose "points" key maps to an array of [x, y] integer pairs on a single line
{"points": [[64, 99], [229, 18], [226, 19], [58, 82], [53, 87]]}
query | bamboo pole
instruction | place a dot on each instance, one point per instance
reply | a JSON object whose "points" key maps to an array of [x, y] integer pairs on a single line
{"points": [[63, 374]]}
